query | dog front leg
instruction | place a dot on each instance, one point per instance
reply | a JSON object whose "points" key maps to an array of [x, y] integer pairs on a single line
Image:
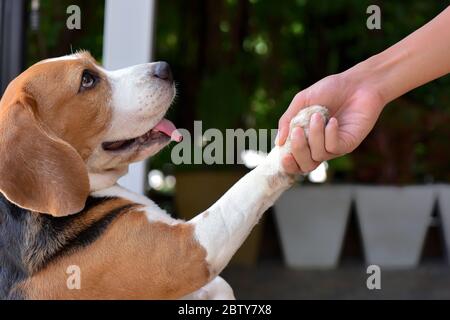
{"points": [[222, 228]]}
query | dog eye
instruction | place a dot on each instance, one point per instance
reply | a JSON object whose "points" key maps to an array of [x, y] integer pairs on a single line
{"points": [[88, 80]]}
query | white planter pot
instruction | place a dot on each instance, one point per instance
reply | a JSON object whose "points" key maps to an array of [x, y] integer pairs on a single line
{"points": [[393, 223], [312, 223], [443, 200]]}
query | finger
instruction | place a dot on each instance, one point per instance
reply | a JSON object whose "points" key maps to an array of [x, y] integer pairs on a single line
{"points": [[283, 132], [317, 138], [283, 125], [290, 165], [300, 151], [332, 137]]}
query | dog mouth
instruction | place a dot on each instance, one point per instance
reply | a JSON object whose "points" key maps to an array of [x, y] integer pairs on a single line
{"points": [[163, 132]]}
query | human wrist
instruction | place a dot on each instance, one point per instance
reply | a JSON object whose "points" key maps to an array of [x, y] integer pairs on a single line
{"points": [[359, 82], [369, 77]]}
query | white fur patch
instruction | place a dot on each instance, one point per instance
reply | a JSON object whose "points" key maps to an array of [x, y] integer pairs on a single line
{"points": [[139, 101], [216, 289]]}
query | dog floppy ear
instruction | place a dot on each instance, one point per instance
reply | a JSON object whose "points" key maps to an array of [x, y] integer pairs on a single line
{"points": [[38, 171]]}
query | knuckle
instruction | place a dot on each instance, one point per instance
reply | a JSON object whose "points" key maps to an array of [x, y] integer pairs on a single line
{"points": [[318, 157], [333, 149]]}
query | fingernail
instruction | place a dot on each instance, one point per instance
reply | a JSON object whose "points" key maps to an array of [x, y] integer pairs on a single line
{"points": [[317, 117], [296, 132]]}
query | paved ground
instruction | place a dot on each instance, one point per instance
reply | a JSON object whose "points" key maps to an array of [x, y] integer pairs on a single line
{"points": [[271, 280]]}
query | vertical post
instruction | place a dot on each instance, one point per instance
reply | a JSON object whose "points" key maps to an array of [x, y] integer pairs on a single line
{"points": [[11, 40], [128, 40]]}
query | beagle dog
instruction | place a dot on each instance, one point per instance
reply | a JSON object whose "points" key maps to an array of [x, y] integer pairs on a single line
{"points": [[68, 131]]}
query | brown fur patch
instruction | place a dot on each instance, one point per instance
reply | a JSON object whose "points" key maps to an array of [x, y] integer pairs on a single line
{"points": [[133, 259]]}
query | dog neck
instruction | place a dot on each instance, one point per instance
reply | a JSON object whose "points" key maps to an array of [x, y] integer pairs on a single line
{"points": [[106, 178]]}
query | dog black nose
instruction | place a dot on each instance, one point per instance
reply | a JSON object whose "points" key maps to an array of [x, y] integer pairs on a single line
{"points": [[162, 71]]}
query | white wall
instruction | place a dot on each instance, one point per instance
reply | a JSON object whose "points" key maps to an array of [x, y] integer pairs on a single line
{"points": [[128, 40]]}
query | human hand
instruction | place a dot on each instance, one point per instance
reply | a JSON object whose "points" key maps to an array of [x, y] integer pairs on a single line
{"points": [[354, 107]]}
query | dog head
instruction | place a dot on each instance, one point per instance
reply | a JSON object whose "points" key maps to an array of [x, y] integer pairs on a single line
{"points": [[68, 127]]}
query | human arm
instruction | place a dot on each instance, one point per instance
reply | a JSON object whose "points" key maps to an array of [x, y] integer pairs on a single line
{"points": [[357, 96]]}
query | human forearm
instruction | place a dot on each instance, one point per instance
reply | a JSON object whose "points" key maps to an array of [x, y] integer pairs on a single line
{"points": [[419, 58]]}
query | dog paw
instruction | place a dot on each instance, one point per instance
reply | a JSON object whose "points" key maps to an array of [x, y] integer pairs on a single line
{"points": [[302, 119]]}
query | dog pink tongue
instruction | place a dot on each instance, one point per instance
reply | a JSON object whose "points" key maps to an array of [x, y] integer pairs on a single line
{"points": [[168, 128]]}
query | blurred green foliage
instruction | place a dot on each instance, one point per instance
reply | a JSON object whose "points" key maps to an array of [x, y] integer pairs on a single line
{"points": [[53, 39], [240, 62]]}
